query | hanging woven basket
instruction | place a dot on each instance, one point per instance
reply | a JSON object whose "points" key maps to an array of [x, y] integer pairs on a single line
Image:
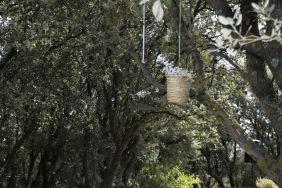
{"points": [[178, 87]]}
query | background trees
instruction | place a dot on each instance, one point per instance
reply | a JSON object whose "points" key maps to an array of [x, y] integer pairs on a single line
{"points": [[78, 109]]}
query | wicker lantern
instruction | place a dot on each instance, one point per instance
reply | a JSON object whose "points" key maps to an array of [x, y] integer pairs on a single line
{"points": [[178, 87]]}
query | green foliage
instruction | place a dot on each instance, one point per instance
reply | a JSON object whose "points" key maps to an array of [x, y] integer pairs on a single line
{"points": [[265, 183], [70, 79], [159, 176], [168, 3]]}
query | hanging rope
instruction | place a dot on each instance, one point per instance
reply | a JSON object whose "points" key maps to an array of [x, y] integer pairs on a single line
{"points": [[179, 32], [143, 34]]}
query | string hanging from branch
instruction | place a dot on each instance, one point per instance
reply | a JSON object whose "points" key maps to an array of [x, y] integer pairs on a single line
{"points": [[179, 31], [143, 33], [178, 80], [178, 83]]}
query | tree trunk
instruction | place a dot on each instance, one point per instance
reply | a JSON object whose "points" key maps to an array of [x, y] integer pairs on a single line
{"points": [[212, 171], [13, 179], [11, 155], [110, 174], [85, 158], [120, 147], [231, 166], [44, 172], [32, 158]]}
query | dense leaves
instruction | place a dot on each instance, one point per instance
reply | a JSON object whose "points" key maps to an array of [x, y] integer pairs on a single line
{"points": [[79, 109]]}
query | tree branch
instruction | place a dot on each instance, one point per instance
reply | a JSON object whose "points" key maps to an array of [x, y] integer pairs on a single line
{"points": [[220, 7]]}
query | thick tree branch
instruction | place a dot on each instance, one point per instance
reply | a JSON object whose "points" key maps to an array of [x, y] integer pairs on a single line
{"points": [[257, 56], [233, 127]]}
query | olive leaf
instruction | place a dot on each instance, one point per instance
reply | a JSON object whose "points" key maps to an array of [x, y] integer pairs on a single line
{"points": [[158, 10], [142, 2], [225, 20]]}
